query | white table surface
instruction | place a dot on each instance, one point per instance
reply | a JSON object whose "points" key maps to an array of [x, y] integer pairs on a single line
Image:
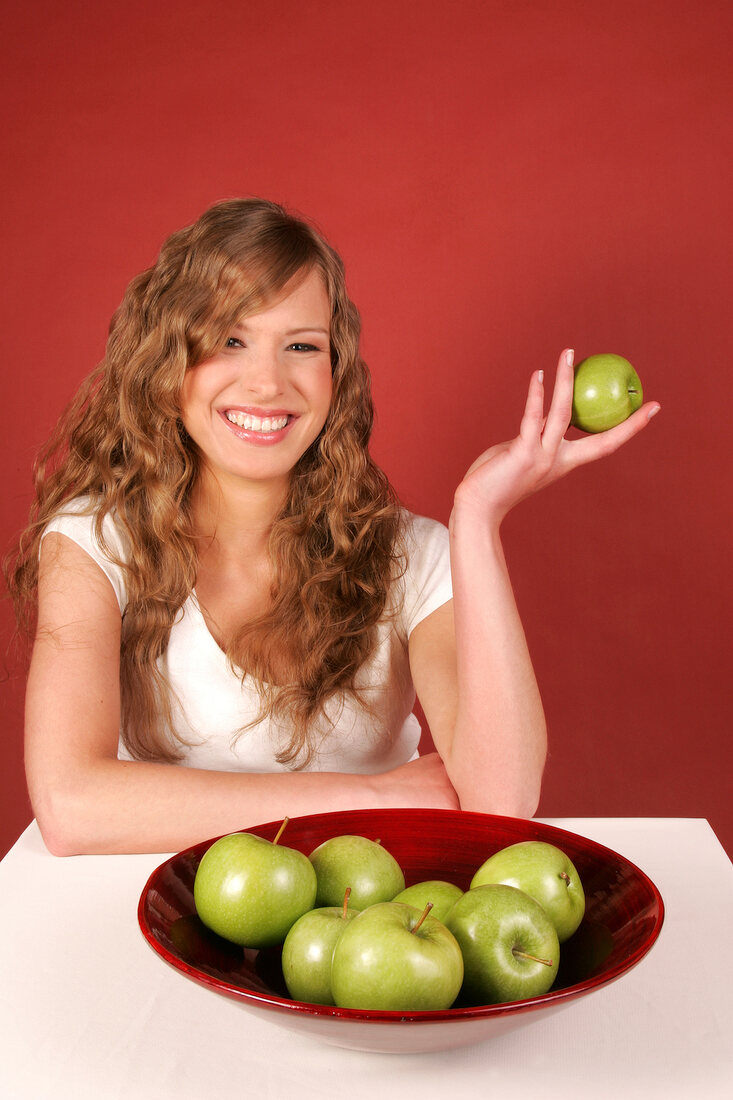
{"points": [[87, 1010]]}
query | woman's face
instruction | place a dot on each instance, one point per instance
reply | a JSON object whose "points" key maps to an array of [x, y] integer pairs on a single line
{"points": [[258, 404]]}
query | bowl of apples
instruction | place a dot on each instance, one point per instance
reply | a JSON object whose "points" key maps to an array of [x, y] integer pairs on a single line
{"points": [[401, 930]]}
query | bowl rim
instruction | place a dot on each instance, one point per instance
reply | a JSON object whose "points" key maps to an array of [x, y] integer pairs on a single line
{"points": [[254, 998]]}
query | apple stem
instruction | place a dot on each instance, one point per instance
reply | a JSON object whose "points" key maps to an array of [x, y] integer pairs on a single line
{"points": [[378, 840], [423, 915], [532, 958], [565, 877], [281, 830], [347, 895]]}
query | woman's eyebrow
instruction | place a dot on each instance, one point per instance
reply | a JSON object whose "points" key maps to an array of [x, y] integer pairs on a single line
{"points": [[307, 328], [242, 326]]}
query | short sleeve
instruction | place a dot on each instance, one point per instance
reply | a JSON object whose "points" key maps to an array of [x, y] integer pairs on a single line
{"points": [[77, 523], [427, 581]]}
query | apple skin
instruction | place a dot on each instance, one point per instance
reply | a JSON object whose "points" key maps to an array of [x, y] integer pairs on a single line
{"points": [[308, 951], [545, 873], [443, 896], [356, 862], [607, 390], [251, 891], [379, 963], [490, 923]]}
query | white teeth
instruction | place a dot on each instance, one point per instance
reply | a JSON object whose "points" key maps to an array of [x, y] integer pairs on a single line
{"points": [[257, 423]]}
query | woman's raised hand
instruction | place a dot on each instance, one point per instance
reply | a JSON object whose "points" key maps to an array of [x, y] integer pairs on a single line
{"points": [[509, 472]]}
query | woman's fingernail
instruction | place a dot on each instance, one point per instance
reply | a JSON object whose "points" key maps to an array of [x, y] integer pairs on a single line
{"points": [[569, 356], [540, 375], [653, 412]]}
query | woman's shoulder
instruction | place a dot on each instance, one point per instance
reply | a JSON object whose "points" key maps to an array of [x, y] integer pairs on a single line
{"points": [[77, 519], [424, 536], [86, 505], [80, 516], [426, 581]]}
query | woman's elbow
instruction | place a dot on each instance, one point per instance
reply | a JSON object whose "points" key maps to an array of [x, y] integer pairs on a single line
{"points": [[522, 804], [58, 843], [56, 837], [519, 797], [57, 820]]}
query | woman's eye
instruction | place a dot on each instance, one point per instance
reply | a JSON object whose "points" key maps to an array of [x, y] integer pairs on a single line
{"points": [[303, 347], [234, 342]]}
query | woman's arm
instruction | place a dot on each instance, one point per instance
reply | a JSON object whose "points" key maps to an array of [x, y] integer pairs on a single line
{"points": [[476, 681], [86, 800]]}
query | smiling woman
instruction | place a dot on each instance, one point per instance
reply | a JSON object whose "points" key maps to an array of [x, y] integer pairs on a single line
{"points": [[232, 614]]}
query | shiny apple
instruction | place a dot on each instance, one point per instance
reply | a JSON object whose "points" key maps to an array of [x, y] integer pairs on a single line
{"points": [[355, 862], [545, 873], [442, 895], [606, 391], [251, 891], [308, 951], [509, 945], [393, 958]]}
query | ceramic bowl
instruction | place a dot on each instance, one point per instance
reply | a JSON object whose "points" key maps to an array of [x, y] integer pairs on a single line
{"points": [[624, 914]]}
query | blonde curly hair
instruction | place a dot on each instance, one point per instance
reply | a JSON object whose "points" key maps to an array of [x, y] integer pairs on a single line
{"points": [[336, 545]]}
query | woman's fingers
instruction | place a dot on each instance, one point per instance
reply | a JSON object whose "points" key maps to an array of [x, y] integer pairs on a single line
{"points": [[592, 447], [558, 418], [509, 472], [534, 410], [581, 451]]}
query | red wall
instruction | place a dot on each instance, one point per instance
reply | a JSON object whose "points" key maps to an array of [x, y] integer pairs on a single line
{"points": [[504, 179]]}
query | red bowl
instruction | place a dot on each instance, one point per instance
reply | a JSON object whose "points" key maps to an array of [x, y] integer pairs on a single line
{"points": [[623, 918]]}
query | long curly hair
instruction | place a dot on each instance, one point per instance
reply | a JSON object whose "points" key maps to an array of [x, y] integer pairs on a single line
{"points": [[335, 547]]}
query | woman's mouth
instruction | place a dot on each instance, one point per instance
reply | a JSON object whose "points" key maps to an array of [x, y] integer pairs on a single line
{"points": [[252, 423], [260, 427]]}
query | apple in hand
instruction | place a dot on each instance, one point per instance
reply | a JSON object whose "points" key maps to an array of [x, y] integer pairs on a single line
{"points": [[546, 874], [251, 890], [361, 864], [308, 951], [443, 896], [393, 958], [509, 945], [606, 391]]}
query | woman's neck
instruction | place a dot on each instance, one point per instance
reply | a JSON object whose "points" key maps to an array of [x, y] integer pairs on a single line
{"points": [[236, 517]]}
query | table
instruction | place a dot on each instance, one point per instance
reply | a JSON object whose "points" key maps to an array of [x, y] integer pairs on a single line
{"points": [[87, 1010]]}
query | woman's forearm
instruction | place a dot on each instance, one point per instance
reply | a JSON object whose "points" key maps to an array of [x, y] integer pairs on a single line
{"points": [[116, 806], [498, 749], [125, 806]]}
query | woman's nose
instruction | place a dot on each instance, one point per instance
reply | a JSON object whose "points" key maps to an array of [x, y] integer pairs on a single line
{"points": [[263, 374]]}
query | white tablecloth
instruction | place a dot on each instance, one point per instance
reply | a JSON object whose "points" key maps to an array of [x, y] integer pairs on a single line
{"points": [[87, 1010]]}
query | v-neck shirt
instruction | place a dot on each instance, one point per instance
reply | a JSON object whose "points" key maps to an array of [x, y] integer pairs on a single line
{"points": [[214, 704]]}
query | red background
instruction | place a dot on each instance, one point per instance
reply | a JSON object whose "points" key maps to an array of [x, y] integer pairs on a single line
{"points": [[504, 179]]}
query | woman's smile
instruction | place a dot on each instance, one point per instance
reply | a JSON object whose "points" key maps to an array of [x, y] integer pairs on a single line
{"points": [[259, 426], [266, 423]]}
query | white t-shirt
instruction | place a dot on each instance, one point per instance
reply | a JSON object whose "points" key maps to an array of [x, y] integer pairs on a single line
{"points": [[214, 703]]}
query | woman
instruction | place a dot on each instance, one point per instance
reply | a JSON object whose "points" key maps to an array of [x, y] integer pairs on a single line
{"points": [[233, 612]]}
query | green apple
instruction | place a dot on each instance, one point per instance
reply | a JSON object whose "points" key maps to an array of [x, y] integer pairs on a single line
{"points": [[545, 873], [509, 945], [308, 951], [606, 391], [393, 958], [354, 861], [251, 891], [442, 894]]}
